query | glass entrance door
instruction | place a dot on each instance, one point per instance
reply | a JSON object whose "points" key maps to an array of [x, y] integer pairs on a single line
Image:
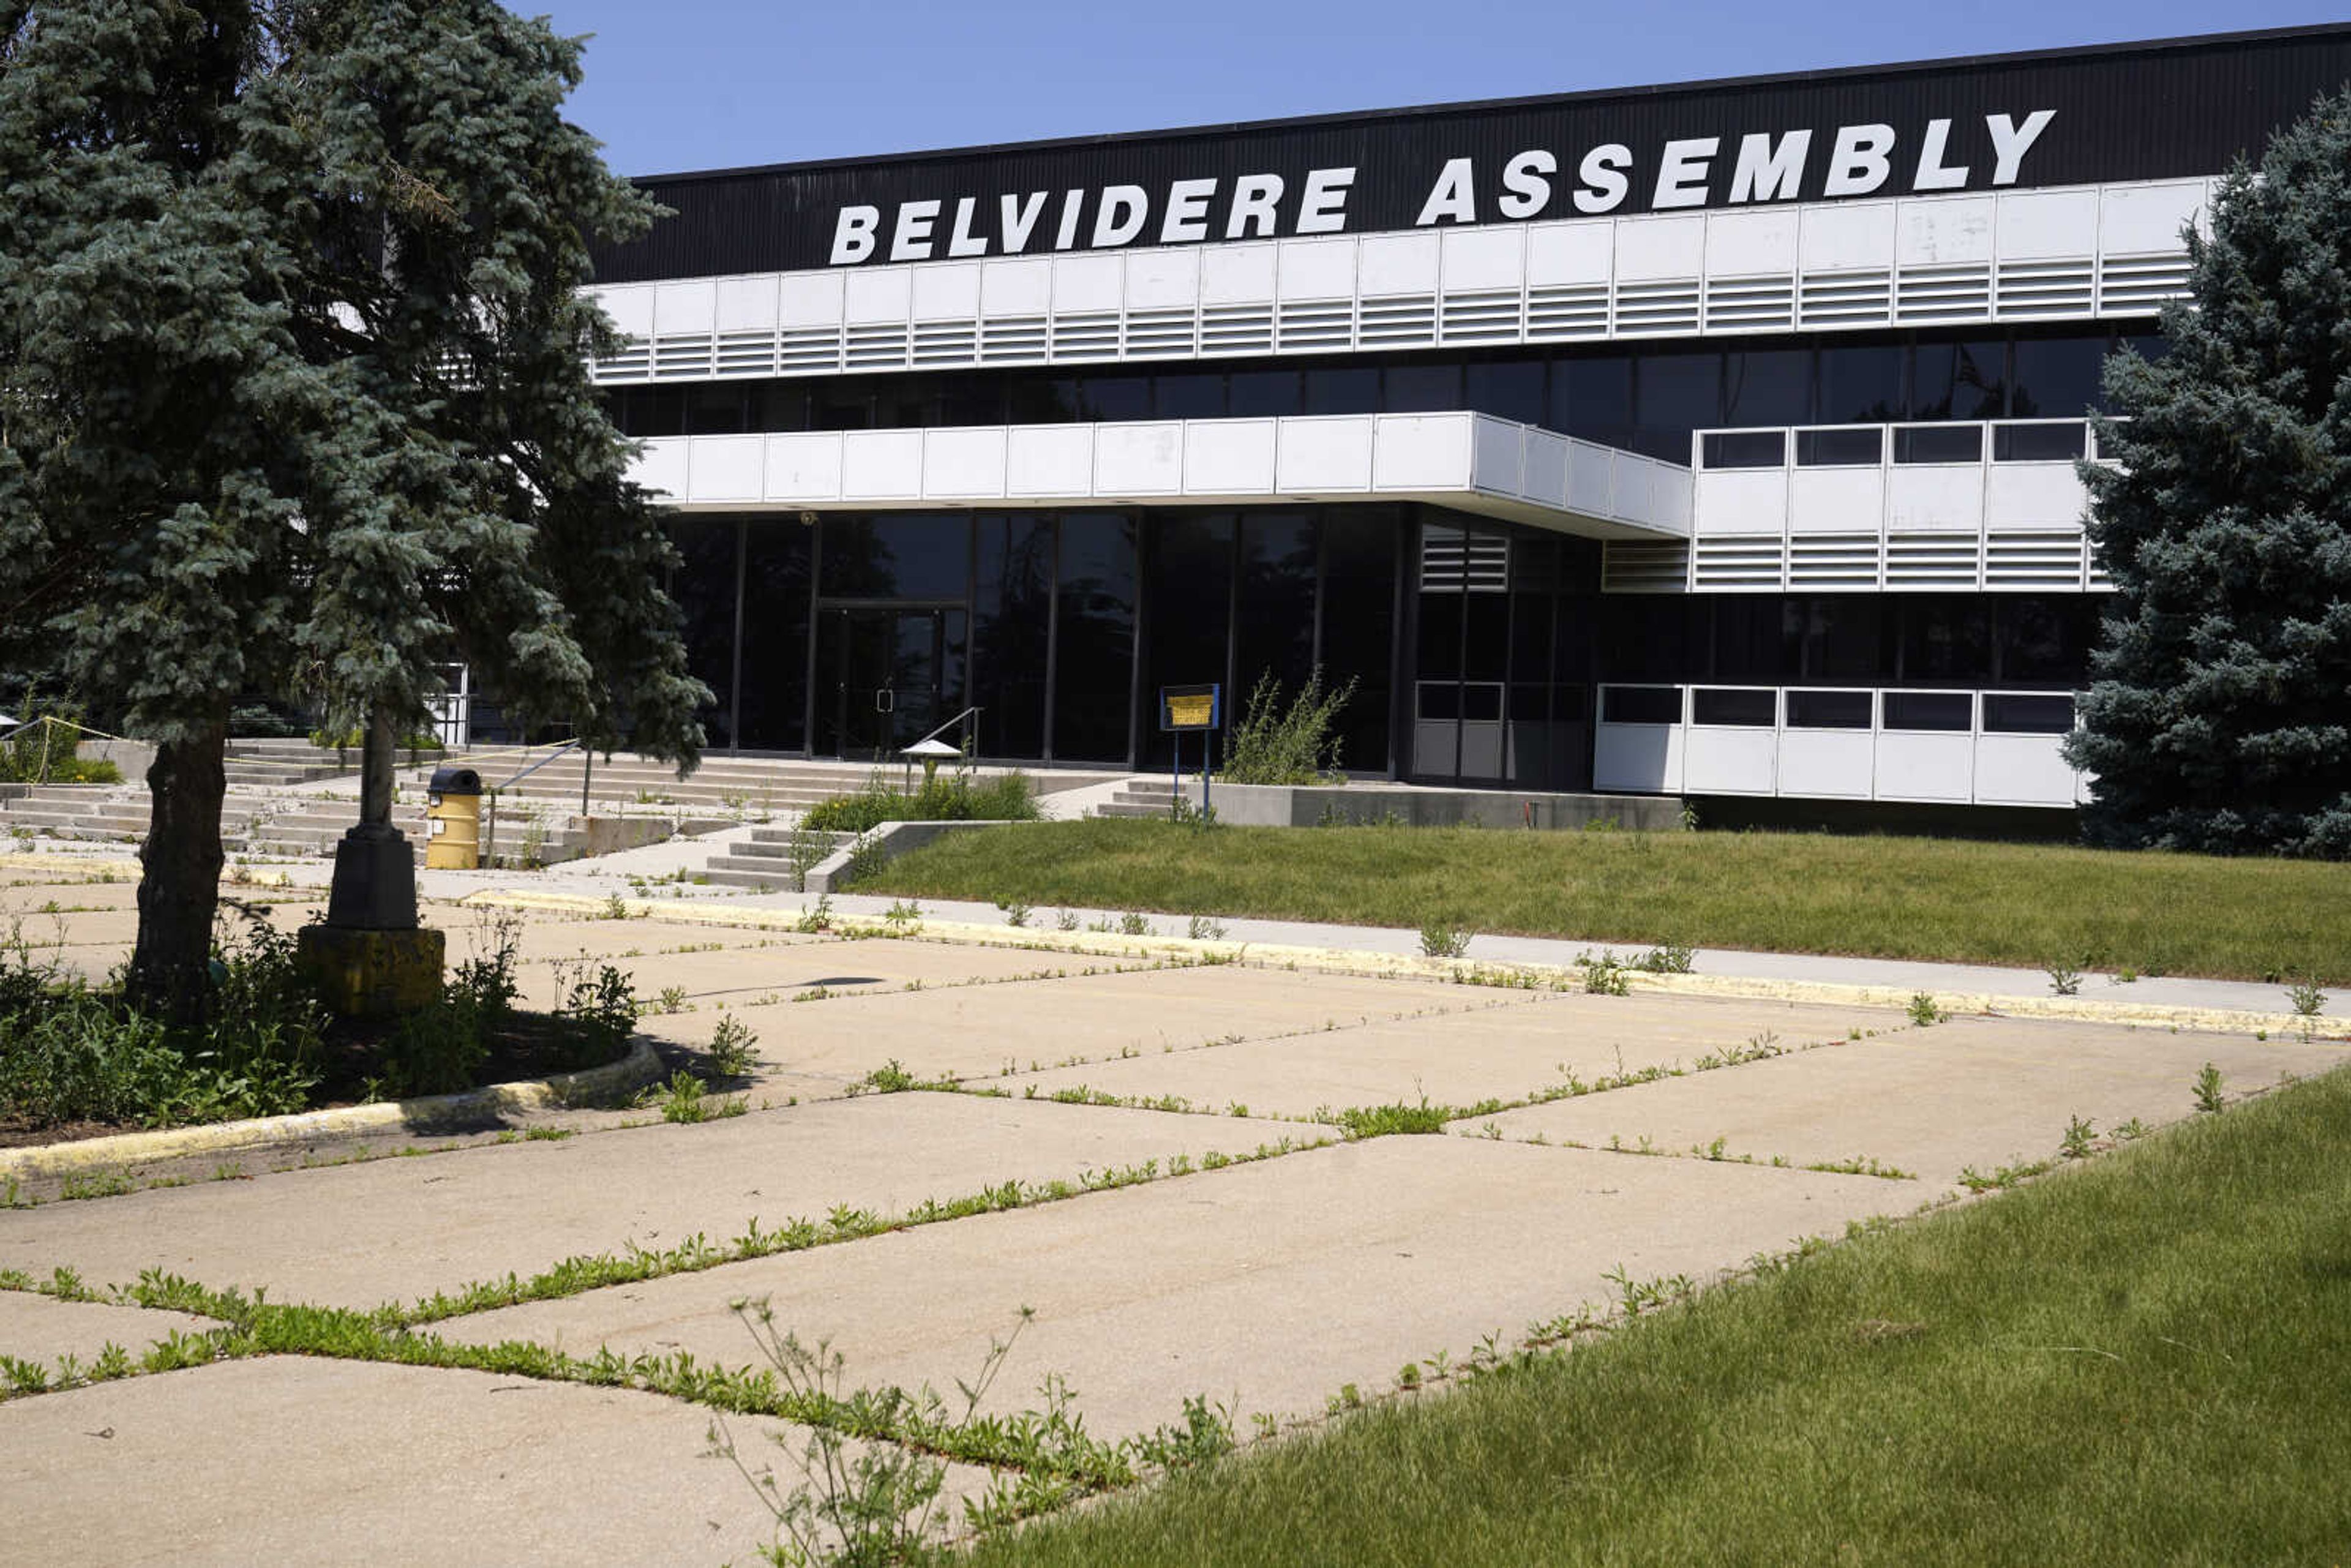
{"points": [[885, 678]]}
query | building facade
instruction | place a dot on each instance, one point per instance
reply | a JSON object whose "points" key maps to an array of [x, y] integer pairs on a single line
{"points": [[1715, 440]]}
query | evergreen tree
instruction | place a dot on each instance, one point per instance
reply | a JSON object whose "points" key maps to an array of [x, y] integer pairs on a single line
{"points": [[292, 390], [2219, 717]]}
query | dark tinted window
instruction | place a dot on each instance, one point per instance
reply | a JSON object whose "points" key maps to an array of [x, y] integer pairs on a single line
{"points": [[720, 410], [1438, 699], [1959, 381], [2046, 642], [896, 555], [1275, 628], [1013, 599], [1837, 448], [2006, 713], [1860, 385], [1420, 389], [1592, 397], [1347, 390], [1186, 394], [1745, 708], [1640, 705], [1745, 449], [1674, 394], [774, 699], [704, 590], [1508, 391], [1945, 639], [1937, 443], [1115, 397], [1094, 660], [1929, 710], [1481, 700], [1359, 562], [1753, 640], [2037, 443], [1772, 387], [1188, 589], [1263, 394], [1829, 710], [2055, 378], [1840, 636]]}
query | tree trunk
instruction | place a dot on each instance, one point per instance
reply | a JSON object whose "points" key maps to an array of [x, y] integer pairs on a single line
{"points": [[179, 886]]}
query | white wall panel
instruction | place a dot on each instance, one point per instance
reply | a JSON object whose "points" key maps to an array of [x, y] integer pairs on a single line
{"points": [[1497, 456], [1741, 501], [1162, 278], [1571, 253], [881, 464], [746, 304], [2024, 770], [1836, 501], [725, 468], [1139, 459], [1088, 282], [1236, 274], [687, 306], [804, 468], [1543, 477], [2039, 224], [662, 467], [1650, 246], [1936, 231], [811, 298], [1017, 286], [1630, 484], [1318, 269], [1762, 241], [964, 464], [1840, 235], [946, 293], [1397, 264], [1826, 764], [631, 306], [1591, 479], [1935, 498], [2136, 219], [1720, 760], [1483, 258], [879, 295], [2018, 494], [1047, 460], [1912, 765], [1324, 454], [1644, 758], [1228, 457]]}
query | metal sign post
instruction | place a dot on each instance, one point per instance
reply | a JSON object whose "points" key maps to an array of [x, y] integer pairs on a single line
{"points": [[1182, 709]]}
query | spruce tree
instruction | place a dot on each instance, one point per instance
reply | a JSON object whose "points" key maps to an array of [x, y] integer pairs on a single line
{"points": [[295, 398], [2219, 714]]}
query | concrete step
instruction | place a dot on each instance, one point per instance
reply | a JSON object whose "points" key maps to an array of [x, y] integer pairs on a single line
{"points": [[764, 882]]}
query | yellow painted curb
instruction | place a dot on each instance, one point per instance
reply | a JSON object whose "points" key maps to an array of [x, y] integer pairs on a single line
{"points": [[642, 1065], [54, 862], [1412, 966]]}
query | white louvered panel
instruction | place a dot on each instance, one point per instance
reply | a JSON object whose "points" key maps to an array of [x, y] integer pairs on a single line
{"points": [[1931, 561], [1643, 566], [877, 345], [1235, 328], [1739, 563], [2131, 284], [1486, 569], [1750, 304], [809, 349], [1012, 339], [1847, 561], [2099, 580], [1958, 293], [1085, 335], [1864, 299], [1650, 309], [748, 354], [1443, 558], [2032, 289], [1567, 311], [682, 354], [1396, 321], [1480, 316], [1315, 324], [2045, 560], [633, 361], [1162, 334], [946, 343]]}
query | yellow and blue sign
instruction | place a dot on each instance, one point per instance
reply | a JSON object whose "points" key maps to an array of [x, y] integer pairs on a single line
{"points": [[1191, 708]]}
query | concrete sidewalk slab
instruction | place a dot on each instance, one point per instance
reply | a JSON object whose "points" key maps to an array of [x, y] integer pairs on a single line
{"points": [[556, 941], [293, 1461], [358, 1236], [1265, 1286], [1506, 1052], [749, 973], [27, 898], [42, 1328], [1981, 1092]]}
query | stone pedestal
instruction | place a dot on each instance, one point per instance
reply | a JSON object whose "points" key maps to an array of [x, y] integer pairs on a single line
{"points": [[371, 960]]}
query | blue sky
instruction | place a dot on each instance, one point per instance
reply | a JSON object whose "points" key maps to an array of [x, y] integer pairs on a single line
{"points": [[698, 84]]}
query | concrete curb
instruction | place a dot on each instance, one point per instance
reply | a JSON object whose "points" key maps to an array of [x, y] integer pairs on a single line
{"points": [[642, 1065], [1409, 967]]}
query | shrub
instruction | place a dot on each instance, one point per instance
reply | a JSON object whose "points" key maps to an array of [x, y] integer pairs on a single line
{"points": [[1293, 745], [957, 797]]}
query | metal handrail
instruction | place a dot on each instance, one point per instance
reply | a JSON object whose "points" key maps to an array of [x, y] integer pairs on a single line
{"points": [[971, 713]]}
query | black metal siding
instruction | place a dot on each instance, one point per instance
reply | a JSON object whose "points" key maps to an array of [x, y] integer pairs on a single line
{"points": [[2153, 111]]}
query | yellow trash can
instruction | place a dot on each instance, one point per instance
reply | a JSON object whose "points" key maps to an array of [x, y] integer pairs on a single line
{"points": [[453, 819]]}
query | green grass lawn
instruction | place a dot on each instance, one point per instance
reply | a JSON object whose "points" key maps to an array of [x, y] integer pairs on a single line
{"points": [[1956, 900], [2144, 1360]]}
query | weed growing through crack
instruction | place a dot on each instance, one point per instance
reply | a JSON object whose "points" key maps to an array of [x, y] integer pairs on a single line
{"points": [[2065, 981], [1442, 938], [2307, 998], [1015, 914], [730, 1051], [2209, 1089], [1924, 1011], [2080, 1140], [1202, 929], [1131, 924]]}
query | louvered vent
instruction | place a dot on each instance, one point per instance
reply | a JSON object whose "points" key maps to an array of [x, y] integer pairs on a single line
{"points": [[1567, 313], [1480, 316], [1942, 293], [809, 349], [1315, 324], [1749, 304], [1453, 559], [2099, 581], [1236, 329], [1643, 566], [1159, 334], [2051, 560], [2130, 284], [1847, 561], [877, 346], [1012, 339], [1646, 309], [1086, 335], [682, 354], [1930, 560], [1739, 563], [2033, 289], [1400, 321], [945, 342], [746, 353], [1846, 298], [632, 361]]}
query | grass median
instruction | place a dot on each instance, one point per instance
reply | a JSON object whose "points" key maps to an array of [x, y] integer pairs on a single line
{"points": [[1952, 900], [2147, 1359]]}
